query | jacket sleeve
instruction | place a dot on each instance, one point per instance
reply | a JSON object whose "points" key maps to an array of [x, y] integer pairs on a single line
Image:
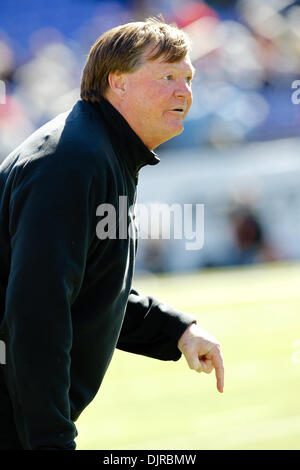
{"points": [[152, 328], [49, 220]]}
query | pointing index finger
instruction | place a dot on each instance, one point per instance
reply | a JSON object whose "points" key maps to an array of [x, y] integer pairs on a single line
{"points": [[217, 360]]}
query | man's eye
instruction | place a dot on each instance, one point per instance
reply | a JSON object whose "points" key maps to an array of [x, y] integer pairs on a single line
{"points": [[168, 77], [189, 80]]}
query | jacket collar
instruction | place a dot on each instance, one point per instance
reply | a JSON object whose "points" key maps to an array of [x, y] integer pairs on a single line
{"points": [[125, 141]]}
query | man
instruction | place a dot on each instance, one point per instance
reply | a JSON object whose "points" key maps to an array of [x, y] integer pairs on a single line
{"points": [[66, 294]]}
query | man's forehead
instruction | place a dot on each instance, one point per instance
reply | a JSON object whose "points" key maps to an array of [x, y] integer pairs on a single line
{"points": [[183, 64]]}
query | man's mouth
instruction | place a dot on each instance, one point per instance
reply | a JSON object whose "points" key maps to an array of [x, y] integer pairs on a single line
{"points": [[178, 110]]}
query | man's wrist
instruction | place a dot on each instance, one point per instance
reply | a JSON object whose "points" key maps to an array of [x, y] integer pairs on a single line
{"points": [[185, 334]]}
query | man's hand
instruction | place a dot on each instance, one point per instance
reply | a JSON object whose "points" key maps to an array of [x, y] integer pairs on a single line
{"points": [[202, 352]]}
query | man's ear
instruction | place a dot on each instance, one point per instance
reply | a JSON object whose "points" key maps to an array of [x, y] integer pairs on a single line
{"points": [[117, 83]]}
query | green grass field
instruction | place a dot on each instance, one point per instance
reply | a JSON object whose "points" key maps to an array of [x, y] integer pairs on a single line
{"points": [[148, 404]]}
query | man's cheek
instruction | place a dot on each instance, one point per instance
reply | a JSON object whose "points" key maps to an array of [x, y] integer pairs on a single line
{"points": [[190, 102]]}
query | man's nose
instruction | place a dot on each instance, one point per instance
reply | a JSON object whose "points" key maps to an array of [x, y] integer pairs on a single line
{"points": [[183, 89]]}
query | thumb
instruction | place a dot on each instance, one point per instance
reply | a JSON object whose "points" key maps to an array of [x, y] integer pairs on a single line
{"points": [[194, 362], [206, 365]]}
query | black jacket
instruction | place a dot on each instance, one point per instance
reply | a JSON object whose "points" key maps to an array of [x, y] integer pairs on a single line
{"points": [[63, 290]]}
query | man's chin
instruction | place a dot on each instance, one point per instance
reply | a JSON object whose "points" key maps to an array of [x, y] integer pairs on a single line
{"points": [[178, 130], [172, 134]]}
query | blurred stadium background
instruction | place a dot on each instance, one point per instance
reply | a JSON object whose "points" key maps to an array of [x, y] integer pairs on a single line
{"points": [[239, 156]]}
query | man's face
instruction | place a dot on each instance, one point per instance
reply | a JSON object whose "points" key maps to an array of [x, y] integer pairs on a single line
{"points": [[157, 98]]}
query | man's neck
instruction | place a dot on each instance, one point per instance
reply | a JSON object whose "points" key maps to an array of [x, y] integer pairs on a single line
{"points": [[119, 106]]}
